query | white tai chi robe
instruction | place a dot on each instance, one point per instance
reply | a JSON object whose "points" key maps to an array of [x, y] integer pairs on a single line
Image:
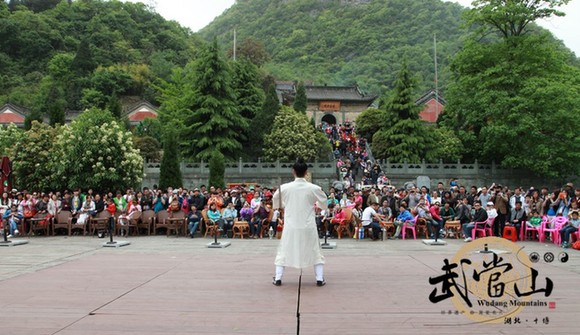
{"points": [[299, 246]]}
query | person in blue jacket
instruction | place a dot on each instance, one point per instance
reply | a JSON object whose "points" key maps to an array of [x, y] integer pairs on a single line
{"points": [[13, 217], [404, 215]]}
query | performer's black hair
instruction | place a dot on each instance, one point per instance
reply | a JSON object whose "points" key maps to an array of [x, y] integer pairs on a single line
{"points": [[300, 168]]}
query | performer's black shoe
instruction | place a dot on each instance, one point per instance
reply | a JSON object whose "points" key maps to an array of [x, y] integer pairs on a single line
{"points": [[276, 282], [321, 282]]}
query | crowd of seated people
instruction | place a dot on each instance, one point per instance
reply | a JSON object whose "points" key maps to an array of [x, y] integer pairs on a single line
{"points": [[499, 205], [398, 205], [253, 204]]}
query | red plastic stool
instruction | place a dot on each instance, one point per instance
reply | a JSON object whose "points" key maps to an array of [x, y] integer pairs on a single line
{"points": [[510, 233]]}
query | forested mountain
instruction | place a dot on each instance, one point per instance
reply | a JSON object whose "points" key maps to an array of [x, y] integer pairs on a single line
{"points": [[347, 42], [57, 55]]}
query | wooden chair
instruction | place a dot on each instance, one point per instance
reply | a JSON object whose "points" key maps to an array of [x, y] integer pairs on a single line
{"points": [[99, 222], [39, 222], [453, 228], [146, 221], [63, 220], [175, 222], [79, 226], [211, 227], [344, 224], [160, 220], [240, 229], [131, 223]]}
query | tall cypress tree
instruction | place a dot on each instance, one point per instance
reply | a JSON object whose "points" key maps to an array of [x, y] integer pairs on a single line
{"points": [[217, 170], [170, 172], [262, 123], [405, 136], [213, 120], [300, 101]]}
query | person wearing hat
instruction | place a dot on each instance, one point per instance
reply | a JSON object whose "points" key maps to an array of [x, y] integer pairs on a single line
{"points": [[13, 217], [491, 211], [237, 200], [570, 228]]}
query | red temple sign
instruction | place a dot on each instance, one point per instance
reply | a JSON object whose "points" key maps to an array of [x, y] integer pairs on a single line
{"points": [[329, 106]]}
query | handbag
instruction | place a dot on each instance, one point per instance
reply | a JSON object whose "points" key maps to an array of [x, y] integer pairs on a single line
{"points": [[576, 245], [28, 213]]}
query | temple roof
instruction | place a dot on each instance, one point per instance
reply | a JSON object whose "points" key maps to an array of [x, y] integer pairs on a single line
{"points": [[430, 95]]}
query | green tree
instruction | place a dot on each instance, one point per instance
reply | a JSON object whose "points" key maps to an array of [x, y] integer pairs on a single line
{"points": [[31, 163], [148, 147], [247, 85], [300, 101], [369, 122], [251, 50], [170, 171], [94, 151], [34, 115], [291, 137], [515, 101], [83, 62], [512, 18], [262, 123], [149, 127], [177, 96], [404, 137], [213, 121], [217, 170], [9, 136]]}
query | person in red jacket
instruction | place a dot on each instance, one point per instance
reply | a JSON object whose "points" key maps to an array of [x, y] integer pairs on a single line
{"points": [[435, 211]]}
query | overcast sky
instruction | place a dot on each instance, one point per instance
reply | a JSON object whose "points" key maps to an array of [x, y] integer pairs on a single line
{"points": [[196, 14]]}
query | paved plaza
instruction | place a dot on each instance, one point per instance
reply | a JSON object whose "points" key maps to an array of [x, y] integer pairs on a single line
{"points": [[160, 285]]}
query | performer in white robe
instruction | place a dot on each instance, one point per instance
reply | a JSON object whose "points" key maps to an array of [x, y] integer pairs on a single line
{"points": [[299, 246]]}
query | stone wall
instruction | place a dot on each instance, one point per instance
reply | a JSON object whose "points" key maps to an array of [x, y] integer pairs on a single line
{"points": [[324, 173]]}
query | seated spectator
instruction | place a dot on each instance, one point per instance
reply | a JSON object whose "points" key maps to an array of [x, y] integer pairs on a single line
{"points": [[132, 211], [386, 211], [215, 216], [404, 216], [535, 221], [463, 211], [193, 219], [517, 216], [446, 212], [570, 228], [54, 205], [256, 223], [12, 217], [371, 218], [230, 214], [435, 213], [99, 205], [86, 209], [480, 215]]}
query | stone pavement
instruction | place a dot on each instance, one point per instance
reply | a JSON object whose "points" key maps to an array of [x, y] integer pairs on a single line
{"points": [[159, 285]]}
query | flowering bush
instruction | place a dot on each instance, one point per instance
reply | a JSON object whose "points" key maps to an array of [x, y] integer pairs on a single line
{"points": [[31, 158], [94, 151], [9, 136]]}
